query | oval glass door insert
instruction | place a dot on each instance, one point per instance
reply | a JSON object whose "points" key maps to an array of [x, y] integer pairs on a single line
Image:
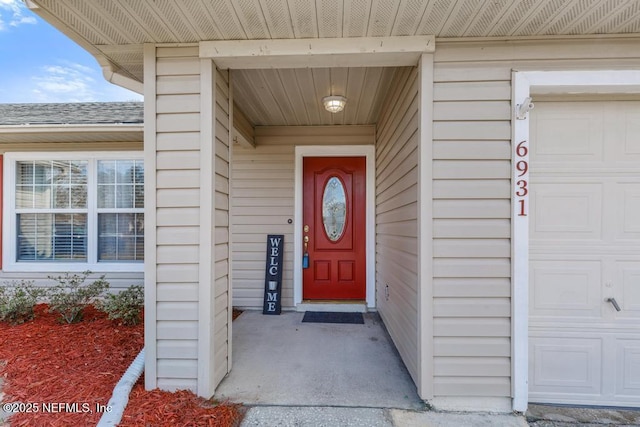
{"points": [[334, 208]]}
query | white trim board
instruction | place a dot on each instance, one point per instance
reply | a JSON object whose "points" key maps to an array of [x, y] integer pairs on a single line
{"points": [[527, 84], [367, 151], [318, 52]]}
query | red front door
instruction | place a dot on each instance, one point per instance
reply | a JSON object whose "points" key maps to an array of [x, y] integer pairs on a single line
{"points": [[334, 228]]}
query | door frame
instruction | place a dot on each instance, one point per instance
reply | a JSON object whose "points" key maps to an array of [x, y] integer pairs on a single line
{"points": [[524, 85], [367, 151]]}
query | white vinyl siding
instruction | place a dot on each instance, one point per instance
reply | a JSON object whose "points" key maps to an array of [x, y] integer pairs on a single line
{"points": [[263, 201], [177, 216], [221, 221], [472, 203], [396, 216]]}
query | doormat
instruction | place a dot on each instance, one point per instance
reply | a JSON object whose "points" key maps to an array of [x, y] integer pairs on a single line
{"points": [[331, 317]]}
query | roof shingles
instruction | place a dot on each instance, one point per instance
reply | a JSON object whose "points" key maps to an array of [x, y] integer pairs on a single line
{"points": [[85, 113]]}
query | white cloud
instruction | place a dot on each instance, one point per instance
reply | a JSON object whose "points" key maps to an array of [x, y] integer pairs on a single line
{"points": [[73, 82], [68, 82], [12, 14]]}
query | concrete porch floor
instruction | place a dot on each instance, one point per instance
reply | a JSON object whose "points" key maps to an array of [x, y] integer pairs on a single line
{"points": [[278, 360]]}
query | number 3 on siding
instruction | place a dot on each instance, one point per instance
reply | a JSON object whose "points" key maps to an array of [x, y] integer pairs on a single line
{"points": [[522, 166]]}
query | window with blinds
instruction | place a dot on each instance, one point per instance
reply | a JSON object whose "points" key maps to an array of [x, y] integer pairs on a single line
{"points": [[120, 210], [51, 210], [81, 211]]}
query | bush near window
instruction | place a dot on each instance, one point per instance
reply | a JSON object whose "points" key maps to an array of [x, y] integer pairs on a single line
{"points": [[17, 300], [71, 295], [125, 306]]}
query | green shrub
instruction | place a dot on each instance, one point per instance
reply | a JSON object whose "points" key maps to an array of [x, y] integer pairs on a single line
{"points": [[17, 300], [125, 306], [70, 296]]}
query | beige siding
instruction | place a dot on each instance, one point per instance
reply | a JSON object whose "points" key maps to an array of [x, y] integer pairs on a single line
{"points": [[471, 228], [263, 193], [396, 216], [471, 207], [191, 174], [221, 221], [177, 216]]}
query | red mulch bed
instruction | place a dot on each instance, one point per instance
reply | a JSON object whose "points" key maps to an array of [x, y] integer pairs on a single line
{"points": [[45, 362]]}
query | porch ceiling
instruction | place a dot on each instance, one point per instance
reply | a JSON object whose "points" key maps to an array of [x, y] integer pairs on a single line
{"points": [[114, 31]]}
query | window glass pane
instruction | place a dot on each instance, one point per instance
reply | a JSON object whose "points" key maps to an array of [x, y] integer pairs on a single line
{"points": [[139, 172], [43, 172], [58, 184], [122, 176], [139, 196], [52, 237], [125, 172], [42, 196], [24, 196], [124, 196], [120, 237], [78, 194], [106, 172], [78, 173], [24, 173], [334, 209], [60, 197], [106, 196]]}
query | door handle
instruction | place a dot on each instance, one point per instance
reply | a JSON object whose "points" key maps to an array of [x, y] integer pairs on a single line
{"points": [[614, 303]]}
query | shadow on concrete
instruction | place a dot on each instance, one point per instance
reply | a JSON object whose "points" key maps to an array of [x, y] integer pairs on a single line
{"points": [[278, 360]]}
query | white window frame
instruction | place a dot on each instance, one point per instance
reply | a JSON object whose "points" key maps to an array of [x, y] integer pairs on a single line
{"points": [[9, 262]]}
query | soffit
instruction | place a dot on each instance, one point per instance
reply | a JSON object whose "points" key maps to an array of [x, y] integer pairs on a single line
{"points": [[35, 134], [114, 31], [109, 25], [293, 97]]}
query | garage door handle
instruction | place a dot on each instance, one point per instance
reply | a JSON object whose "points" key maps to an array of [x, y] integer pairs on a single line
{"points": [[614, 302]]}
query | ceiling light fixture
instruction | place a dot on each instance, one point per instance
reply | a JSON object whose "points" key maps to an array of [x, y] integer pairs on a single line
{"points": [[334, 103]]}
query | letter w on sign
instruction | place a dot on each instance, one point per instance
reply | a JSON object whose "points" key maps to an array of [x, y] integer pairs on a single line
{"points": [[273, 274]]}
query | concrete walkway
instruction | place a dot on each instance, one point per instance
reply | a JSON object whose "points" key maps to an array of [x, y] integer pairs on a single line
{"points": [[290, 373], [278, 360]]}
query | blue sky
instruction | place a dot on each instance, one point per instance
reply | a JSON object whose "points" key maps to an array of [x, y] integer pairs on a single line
{"points": [[40, 64]]}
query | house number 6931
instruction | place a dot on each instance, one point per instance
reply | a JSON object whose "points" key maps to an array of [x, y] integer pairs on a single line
{"points": [[522, 167]]}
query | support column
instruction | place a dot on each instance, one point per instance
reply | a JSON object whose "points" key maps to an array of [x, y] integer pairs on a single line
{"points": [[425, 227]]}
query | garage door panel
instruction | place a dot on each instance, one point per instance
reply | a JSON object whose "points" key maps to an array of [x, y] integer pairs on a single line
{"points": [[584, 247], [628, 365], [565, 289], [624, 133], [628, 289], [578, 127], [565, 365], [631, 132], [628, 199], [566, 210]]}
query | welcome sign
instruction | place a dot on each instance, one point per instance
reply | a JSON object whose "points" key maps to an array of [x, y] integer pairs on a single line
{"points": [[273, 274]]}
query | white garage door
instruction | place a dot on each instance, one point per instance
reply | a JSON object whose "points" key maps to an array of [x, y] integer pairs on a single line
{"points": [[585, 248]]}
